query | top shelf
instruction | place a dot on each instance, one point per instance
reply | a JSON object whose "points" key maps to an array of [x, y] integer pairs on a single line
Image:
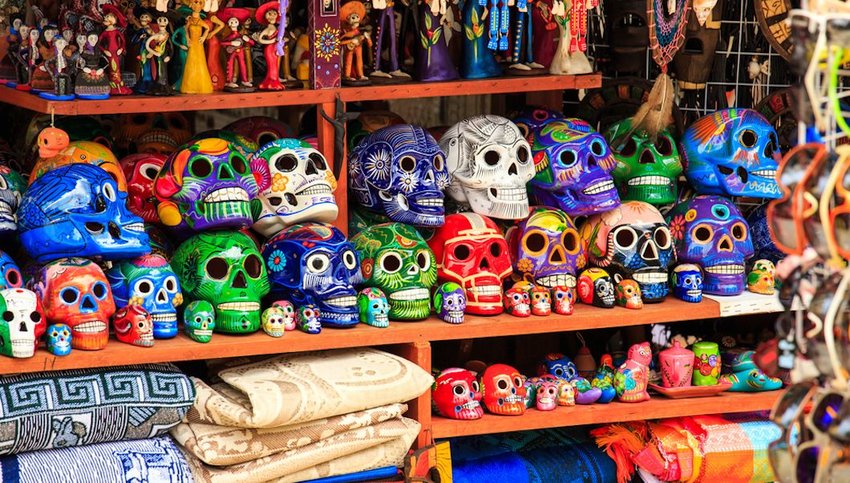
{"points": [[296, 97]]}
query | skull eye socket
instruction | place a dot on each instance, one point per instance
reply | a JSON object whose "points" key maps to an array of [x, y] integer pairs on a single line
{"points": [[492, 157], [198, 319], [570, 241], [13, 277], [143, 287], [459, 390], [502, 384], [407, 164], [535, 242], [8, 316], [664, 146], [597, 147], [559, 373], [702, 233], [662, 237], [286, 162], [318, 161], [689, 281], [266, 137], [462, 252], [99, 290], [69, 295], [200, 167], [149, 171], [238, 164], [630, 148], [439, 162], [253, 266], [475, 387], [307, 313], [217, 268], [109, 192], [3, 184], [522, 154], [423, 260], [748, 138], [349, 260], [495, 249], [517, 382], [739, 231], [390, 262], [171, 284], [318, 262], [567, 157], [625, 237]]}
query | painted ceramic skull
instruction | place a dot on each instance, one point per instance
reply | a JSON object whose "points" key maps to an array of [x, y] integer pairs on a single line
{"points": [[547, 396], [573, 165], [532, 118], [628, 294], [12, 187], [296, 185], [133, 325], [273, 321], [144, 132], [503, 390], [646, 170], [141, 171], [374, 307], [225, 269], [517, 302], [22, 322], [199, 321], [82, 152], [240, 144], [150, 282], [309, 319], [10, 274], [313, 263], [563, 299], [457, 395], [762, 278], [206, 185], [58, 339], [709, 231], [566, 394], [450, 302], [396, 259], [632, 241], [595, 287], [77, 210], [261, 129], [288, 313], [400, 171], [471, 251], [489, 163], [558, 365], [74, 291], [686, 280], [546, 248], [732, 152], [541, 301]]}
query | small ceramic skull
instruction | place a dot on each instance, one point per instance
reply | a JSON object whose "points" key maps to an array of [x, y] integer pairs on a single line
{"points": [[22, 322], [503, 389], [288, 314], [199, 321], [133, 325], [547, 396], [595, 287], [541, 301], [686, 280], [563, 299], [58, 339], [272, 321], [762, 278], [566, 394], [517, 302], [148, 281], [450, 302], [628, 294], [374, 307], [559, 366], [309, 319], [456, 394]]}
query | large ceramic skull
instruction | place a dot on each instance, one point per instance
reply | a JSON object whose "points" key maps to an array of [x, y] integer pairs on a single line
{"points": [[12, 187], [74, 291], [503, 389], [395, 259], [82, 152], [22, 322], [77, 210], [456, 394], [546, 249], [206, 185], [150, 282], [314, 264], [144, 132], [732, 152], [471, 251], [573, 165], [489, 163], [709, 231], [532, 118], [295, 184], [141, 171], [646, 170], [225, 269], [10, 274], [632, 241], [400, 171]]}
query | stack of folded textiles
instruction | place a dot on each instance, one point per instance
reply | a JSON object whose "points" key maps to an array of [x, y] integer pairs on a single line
{"points": [[94, 425], [302, 416]]}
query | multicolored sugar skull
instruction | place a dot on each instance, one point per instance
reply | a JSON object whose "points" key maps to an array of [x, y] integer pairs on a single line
{"points": [[288, 313], [309, 319], [686, 280], [58, 339], [272, 320], [450, 302], [133, 325], [546, 248], [150, 282], [400, 171], [314, 264], [732, 152], [517, 302], [566, 394], [503, 390], [559, 366], [541, 301], [563, 299], [225, 269], [12, 187], [374, 307], [141, 171], [22, 322], [762, 278], [396, 259], [10, 274], [573, 165], [456, 395], [628, 294], [595, 287], [547, 396], [646, 170], [199, 321], [709, 231], [296, 185]]}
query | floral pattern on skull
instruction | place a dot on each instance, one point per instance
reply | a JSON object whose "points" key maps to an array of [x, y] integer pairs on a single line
{"points": [[374, 307], [58, 339]]}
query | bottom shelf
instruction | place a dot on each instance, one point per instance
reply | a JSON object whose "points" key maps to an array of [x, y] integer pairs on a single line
{"points": [[656, 408]]}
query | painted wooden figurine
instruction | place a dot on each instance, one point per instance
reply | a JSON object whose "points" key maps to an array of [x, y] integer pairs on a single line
{"points": [[160, 50], [522, 54], [113, 44], [178, 62], [138, 50], [633, 376], [478, 60], [92, 81], [267, 16], [545, 38], [236, 45], [385, 30], [196, 74], [433, 62], [216, 25], [353, 42]]}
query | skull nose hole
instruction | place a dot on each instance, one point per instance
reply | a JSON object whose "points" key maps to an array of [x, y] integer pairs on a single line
{"points": [[161, 296], [484, 264], [557, 257], [646, 157], [725, 244], [494, 192], [225, 172], [742, 173], [311, 168], [94, 228], [402, 202], [513, 169], [429, 177], [22, 327], [99, 204], [88, 303], [114, 231], [413, 270], [239, 280], [291, 199], [649, 252], [768, 150]]}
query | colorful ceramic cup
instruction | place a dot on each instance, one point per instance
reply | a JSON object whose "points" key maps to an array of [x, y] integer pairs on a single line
{"points": [[706, 363]]}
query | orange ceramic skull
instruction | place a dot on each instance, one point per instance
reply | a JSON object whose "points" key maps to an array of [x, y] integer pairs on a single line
{"points": [[82, 152], [504, 392]]}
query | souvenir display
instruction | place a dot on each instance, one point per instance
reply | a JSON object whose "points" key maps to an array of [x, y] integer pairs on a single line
{"points": [[709, 231], [706, 363], [23, 322], [140, 171], [489, 162], [11, 190], [517, 302], [478, 60], [226, 269], [288, 313], [470, 251], [457, 395], [272, 321], [676, 366], [58, 338], [566, 394], [746, 376], [647, 170], [354, 43], [450, 302], [10, 274], [196, 75], [314, 264], [503, 390], [563, 299], [112, 44], [629, 294], [595, 287], [133, 325], [632, 377], [150, 282], [686, 280], [236, 46], [373, 307], [433, 62], [547, 396], [309, 319], [295, 183], [761, 278], [541, 301], [199, 321]]}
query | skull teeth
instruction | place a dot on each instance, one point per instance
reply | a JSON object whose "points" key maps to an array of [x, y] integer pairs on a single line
{"points": [[315, 189], [470, 405], [139, 227], [730, 269], [410, 294], [227, 194], [765, 173], [600, 187], [508, 194], [650, 180], [694, 293], [485, 290], [650, 277], [169, 317], [242, 306], [550, 281], [93, 327], [203, 332], [438, 202], [346, 301]]}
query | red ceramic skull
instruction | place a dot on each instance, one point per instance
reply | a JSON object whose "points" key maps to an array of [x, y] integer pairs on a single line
{"points": [[472, 252], [133, 325], [504, 392], [457, 395], [261, 129], [141, 171], [517, 302], [563, 298]]}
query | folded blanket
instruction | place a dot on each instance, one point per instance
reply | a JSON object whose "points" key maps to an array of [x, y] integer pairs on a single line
{"points": [[80, 407], [144, 460], [296, 388]]}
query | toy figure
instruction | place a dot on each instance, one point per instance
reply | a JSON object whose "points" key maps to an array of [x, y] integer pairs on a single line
{"points": [[762, 278], [178, 38], [158, 47], [289, 322], [61, 68], [374, 307], [237, 46], [199, 321], [385, 27], [58, 339], [29, 56], [138, 49], [747, 377], [628, 294], [351, 15], [213, 45], [41, 80], [91, 82], [196, 74], [522, 56], [267, 15], [478, 60], [633, 376], [604, 379], [273, 321], [133, 325], [112, 44], [433, 62]]}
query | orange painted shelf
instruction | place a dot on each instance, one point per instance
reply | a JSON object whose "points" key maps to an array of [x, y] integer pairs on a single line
{"points": [[656, 408]]}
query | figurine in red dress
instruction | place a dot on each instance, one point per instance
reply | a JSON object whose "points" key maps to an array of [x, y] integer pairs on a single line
{"points": [[112, 43], [268, 15]]}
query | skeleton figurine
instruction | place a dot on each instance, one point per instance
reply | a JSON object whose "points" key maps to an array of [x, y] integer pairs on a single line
{"points": [[158, 47], [758, 72], [353, 41], [385, 28], [237, 45], [500, 19], [60, 67], [522, 56]]}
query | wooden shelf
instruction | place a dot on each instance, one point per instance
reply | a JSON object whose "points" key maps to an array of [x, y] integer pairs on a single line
{"points": [[656, 408]]}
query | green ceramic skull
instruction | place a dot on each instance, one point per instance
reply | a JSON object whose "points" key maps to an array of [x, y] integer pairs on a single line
{"points": [[645, 171], [199, 320], [225, 269], [395, 259]]}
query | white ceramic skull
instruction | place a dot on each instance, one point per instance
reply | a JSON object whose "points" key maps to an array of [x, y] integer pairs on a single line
{"points": [[22, 322], [489, 163]]}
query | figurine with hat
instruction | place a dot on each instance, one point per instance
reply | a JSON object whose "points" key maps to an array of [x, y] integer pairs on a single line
{"points": [[273, 38], [113, 45], [237, 45]]}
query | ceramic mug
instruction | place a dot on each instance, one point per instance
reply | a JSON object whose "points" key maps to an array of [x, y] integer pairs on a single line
{"points": [[706, 363], [677, 366]]}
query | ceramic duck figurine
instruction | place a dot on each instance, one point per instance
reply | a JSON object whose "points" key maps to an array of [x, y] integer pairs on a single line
{"points": [[632, 377]]}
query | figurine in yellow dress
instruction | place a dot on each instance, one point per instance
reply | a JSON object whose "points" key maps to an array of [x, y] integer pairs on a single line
{"points": [[196, 75]]}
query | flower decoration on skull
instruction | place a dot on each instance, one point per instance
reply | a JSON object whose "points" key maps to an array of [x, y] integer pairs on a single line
{"points": [[272, 320], [632, 241], [396, 259], [558, 365], [82, 152], [225, 269], [532, 118], [77, 210], [22, 322], [489, 162], [595, 287], [450, 302], [472, 252], [58, 339], [400, 171], [313, 263], [517, 302], [141, 171], [199, 321], [628, 294], [503, 390], [133, 325], [546, 248], [296, 185], [573, 165], [204, 186], [309, 319], [717, 238], [646, 170], [456, 394], [150, 282], [686, 280], [239, 143], [374, 307], [12, 187], [732, 152], [10, 274]]}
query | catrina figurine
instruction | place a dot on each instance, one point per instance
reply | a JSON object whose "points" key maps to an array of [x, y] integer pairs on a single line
{"points": [[267, 15], [113, 44], [433, 62], [478, 60], [385, 29], [196, 74], [92, 81], [237, 47]]}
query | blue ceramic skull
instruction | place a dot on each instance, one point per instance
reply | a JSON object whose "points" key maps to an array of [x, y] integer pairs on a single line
{"points": [[12, 186], [763, 244], [559, 366], [58, 339], [709, 231], [531, 118], [10, 274], [686, 280], [400, 171], [314, 264], [732, 152], [150, 282], [77, 210]]}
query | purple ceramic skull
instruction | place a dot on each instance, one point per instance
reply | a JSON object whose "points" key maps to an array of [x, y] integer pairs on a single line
{"points": [[532, 118], [709, 231], [573, 165], [545, 248], [450, 302]]}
